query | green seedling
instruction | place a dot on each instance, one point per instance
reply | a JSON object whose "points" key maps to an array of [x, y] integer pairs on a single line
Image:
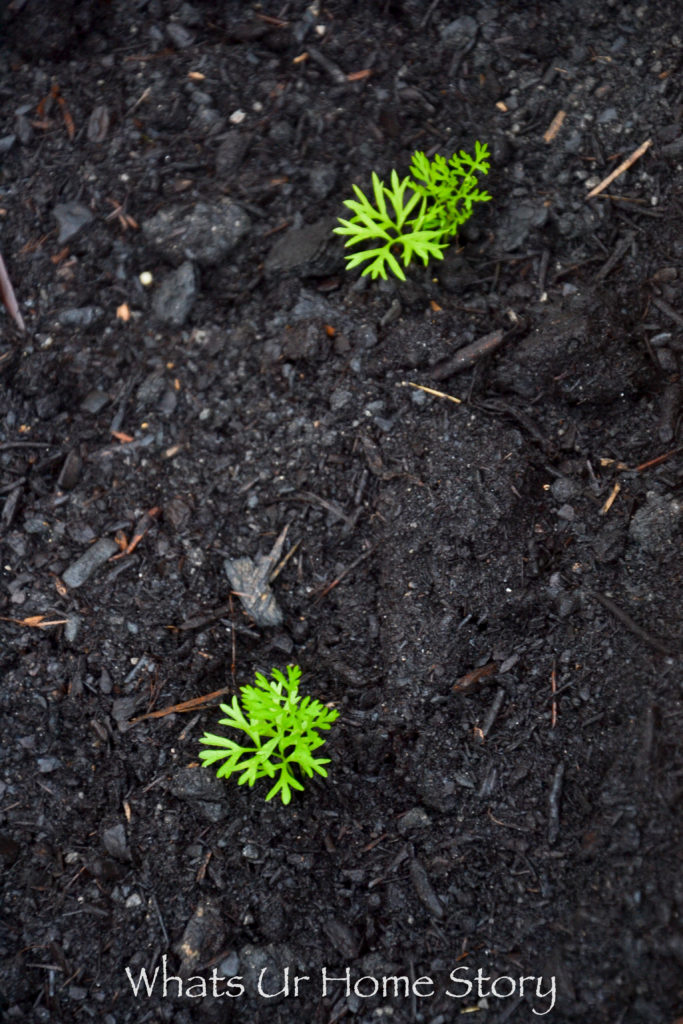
{"points": [[282, 729], [417, 216]]}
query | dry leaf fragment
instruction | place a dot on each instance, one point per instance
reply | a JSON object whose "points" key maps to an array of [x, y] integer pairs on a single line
{"points": [[250, 581], [35, 621], [554, 126], [141, 527]]}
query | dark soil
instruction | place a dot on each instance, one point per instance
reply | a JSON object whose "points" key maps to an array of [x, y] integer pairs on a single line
{"points": [[489, 592]]}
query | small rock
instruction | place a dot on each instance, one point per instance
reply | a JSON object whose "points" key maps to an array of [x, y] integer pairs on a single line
{"points": [[424, 890], [83, 316], [177, 513], [84, 567], [229, 967], [195, 784], [231, 153], [205, 233], [416, 817], [518, 223], [250, 851], [176, 295], [179, 35], [653, 525], [94, 401], [339, 398], [71, 628], [563, 488], [437, 792], [70, 472], [71, 217], [48, 406], [48, 764], [460, 32], [307, 250], [115, 843], [98, 123], [122, 710], [323, 178]]}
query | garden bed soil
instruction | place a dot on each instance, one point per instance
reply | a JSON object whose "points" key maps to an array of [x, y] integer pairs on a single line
{"points": [[488, 589]]}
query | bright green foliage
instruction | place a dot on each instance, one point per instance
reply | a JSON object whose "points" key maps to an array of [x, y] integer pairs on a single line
{"points": [[281, 726], [417, 216]]}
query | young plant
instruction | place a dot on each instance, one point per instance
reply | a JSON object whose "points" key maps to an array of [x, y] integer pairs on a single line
{"points": [[417, 216], [282, 732]]}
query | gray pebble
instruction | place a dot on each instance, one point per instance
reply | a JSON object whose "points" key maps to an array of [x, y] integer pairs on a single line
{"points": [[460, 32], [179, 35], [89, 562], [71, 217], [416, 817], [114, 842], [518, 223], [95, 401], [231, 153], [194, 784], [306, 250], [205, 233], [339, 398], [83, 316], [653, 525], [229, 967], [71, 628], [70, 472], [563, 488], [323, 178], [175, 298]]}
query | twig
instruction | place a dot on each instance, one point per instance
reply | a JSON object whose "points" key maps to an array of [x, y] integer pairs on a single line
{"points": [[611, 499], [657, 460], [333, 70], [8, 297], [554, 804], [492, 714], [356, 562], [185, 705], [619, 250], [664, 307], [663, 646], [467, 356], [635, 155], [429, 391], [553, 705]]}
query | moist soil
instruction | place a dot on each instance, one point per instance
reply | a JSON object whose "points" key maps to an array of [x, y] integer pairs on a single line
{"points": [[225, 466]]}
